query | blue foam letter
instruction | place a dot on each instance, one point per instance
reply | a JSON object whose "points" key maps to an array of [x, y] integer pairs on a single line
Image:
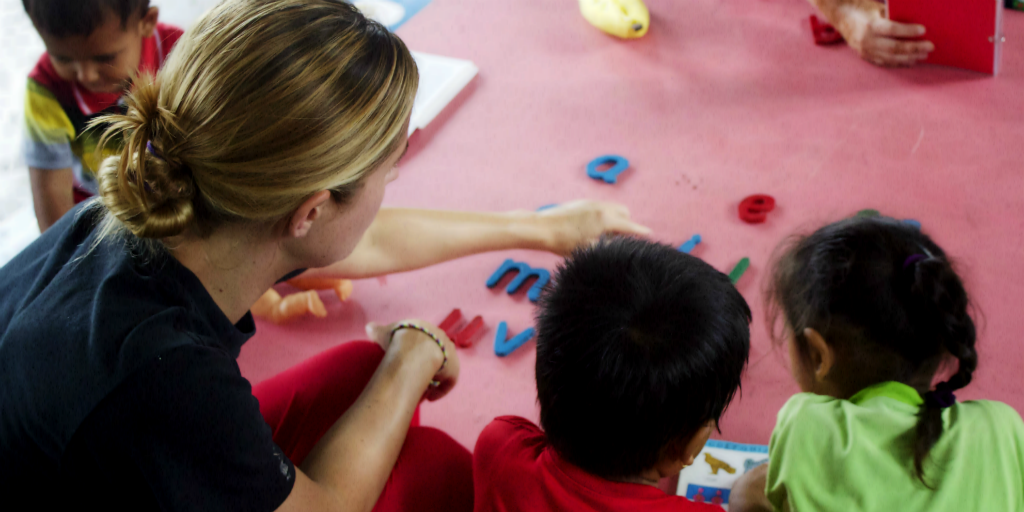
{"points": [[688, 245], [503, 347], [619, 165], [525, 271]]}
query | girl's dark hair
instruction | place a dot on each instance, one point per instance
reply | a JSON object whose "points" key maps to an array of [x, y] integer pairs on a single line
{"points": [[886, 298], [638, 347], [63, 18]]}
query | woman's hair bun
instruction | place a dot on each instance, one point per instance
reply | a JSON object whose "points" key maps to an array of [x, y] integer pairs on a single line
{"points": [[239, 133], [149, 191]]}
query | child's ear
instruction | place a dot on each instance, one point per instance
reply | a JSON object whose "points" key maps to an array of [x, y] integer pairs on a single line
{"points": [[683, 452], [822, 356], [696, 443], [147, 25]]}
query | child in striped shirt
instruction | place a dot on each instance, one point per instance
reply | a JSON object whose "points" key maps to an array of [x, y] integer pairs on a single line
{"points": [[93, 49]]}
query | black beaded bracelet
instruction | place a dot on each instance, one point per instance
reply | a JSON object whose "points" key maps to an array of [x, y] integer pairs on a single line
{"points": [[444, 351]]}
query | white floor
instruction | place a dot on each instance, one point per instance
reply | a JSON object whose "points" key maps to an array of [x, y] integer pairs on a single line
{"points": [[22, 47]]}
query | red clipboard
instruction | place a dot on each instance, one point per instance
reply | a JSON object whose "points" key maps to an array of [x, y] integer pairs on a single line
{"points": [[966, 33]]}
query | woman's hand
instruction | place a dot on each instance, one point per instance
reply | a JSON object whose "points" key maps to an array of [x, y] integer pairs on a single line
{"points": [[875, 38], [408, 341], [352, 461], [583, 222]]}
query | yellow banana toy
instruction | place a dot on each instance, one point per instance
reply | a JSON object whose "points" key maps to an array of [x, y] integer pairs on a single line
{"points": [[627, 19]]}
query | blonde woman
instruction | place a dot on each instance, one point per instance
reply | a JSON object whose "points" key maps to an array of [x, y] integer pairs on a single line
{"points": [[261, 148]]}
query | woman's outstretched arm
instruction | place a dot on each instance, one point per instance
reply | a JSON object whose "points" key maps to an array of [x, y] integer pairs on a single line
{"points": [[407, 239]]}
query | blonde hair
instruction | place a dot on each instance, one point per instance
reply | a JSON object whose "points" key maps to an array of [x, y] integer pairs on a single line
{"points": [[261, 104]]}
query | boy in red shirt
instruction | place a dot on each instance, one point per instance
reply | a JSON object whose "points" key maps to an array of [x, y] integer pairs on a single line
{"points": [[93, 48], [639, 350]]}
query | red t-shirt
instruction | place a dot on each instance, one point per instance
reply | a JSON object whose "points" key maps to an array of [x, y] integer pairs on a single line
{"points": [[514, 469]]}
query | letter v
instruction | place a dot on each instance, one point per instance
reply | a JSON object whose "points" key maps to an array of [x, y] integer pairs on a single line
{"points": [[503, 347]]}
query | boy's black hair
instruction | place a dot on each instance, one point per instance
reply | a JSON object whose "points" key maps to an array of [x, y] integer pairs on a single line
{"points": [[638, 347], [63, 18], [886, 298]]}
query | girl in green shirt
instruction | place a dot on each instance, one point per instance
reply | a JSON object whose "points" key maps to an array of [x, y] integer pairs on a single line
{"points": [[870, 308]]}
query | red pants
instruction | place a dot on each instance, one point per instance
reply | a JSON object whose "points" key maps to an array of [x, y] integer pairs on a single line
{"points": [[433, 472]]}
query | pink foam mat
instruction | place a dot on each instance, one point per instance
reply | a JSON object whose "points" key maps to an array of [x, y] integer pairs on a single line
{"points": [[722, 99]]}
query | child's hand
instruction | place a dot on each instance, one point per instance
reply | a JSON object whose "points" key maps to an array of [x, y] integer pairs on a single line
{"points": [[447, 376], [748, 492], [583, 222], [878, 40], [52, 194]]}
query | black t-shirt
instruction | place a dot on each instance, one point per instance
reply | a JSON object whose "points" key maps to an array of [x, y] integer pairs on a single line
{"points": [[119, 387]]}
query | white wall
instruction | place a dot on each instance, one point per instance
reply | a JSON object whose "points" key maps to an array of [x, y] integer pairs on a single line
{"points": [[181, 12]]}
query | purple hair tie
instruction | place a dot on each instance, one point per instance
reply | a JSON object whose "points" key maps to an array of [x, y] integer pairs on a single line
{"points": [[152, 150], [913, 258], [941, 398]]}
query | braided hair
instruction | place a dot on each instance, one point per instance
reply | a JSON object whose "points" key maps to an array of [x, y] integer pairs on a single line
{"points": [[888, 300]]}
